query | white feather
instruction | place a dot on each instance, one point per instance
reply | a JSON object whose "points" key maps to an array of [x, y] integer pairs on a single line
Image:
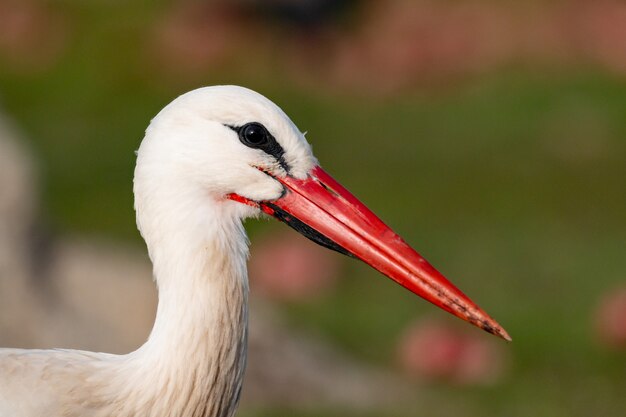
{"points": [[193, 362]]}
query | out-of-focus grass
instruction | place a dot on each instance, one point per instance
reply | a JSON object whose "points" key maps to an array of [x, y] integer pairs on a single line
{"points": [[513, 185]]}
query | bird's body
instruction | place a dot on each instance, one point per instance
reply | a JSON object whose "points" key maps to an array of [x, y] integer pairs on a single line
{"points": [[204, 155]]}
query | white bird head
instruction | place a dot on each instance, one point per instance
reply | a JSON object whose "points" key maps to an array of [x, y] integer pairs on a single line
{"points": [[225, 139], [219, 154]]}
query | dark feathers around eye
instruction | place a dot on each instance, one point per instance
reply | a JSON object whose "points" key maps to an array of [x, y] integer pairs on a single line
{"points": [[255, 135]]}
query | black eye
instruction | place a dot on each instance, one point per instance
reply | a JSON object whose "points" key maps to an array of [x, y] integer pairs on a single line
{"points": [[254, 135]]}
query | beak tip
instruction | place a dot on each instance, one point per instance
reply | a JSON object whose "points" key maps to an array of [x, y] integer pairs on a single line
{"points": [[505, 336], [497, 330]]}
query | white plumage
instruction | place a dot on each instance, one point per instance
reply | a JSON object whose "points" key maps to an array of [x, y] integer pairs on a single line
{"points": [[210, 159], [193, 361]]}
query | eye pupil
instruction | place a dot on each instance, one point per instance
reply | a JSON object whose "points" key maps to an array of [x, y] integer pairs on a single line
{"points": [[254, 134]]}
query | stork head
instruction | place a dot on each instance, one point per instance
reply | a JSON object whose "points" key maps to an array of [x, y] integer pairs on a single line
{"points": [[237, 150]]}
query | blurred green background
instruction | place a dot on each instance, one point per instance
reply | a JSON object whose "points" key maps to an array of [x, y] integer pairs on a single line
{"points": [[504, 166]]}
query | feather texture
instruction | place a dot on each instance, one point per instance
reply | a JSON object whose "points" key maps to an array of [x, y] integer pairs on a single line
{"points": [[192, 364]]}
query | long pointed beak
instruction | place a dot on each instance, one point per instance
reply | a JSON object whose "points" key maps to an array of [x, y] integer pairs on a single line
{"points": [[325, 212]]}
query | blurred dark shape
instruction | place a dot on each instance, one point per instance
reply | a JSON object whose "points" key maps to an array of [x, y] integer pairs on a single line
{"points": [[302, 15], [193, 37], [610, 319], [434, 350], [286, 266], [32, 35]]}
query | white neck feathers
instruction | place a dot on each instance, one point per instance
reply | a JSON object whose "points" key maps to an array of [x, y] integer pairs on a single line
{"points": [[194, 359]]}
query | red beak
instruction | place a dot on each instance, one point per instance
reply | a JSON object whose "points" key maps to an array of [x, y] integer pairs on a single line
{"points": [[325, 212]]}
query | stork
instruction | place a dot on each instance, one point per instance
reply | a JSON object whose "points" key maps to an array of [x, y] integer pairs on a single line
{"points": [[210, 159]]}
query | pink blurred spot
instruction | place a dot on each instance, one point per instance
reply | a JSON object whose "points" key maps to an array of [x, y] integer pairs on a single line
{"points": [[602, 35], [610, 319], [194, 36], [32, 34], [436, 351], [289, 267]]}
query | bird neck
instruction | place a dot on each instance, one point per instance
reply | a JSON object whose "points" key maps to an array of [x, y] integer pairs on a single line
{"points": [[195, 356]]}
